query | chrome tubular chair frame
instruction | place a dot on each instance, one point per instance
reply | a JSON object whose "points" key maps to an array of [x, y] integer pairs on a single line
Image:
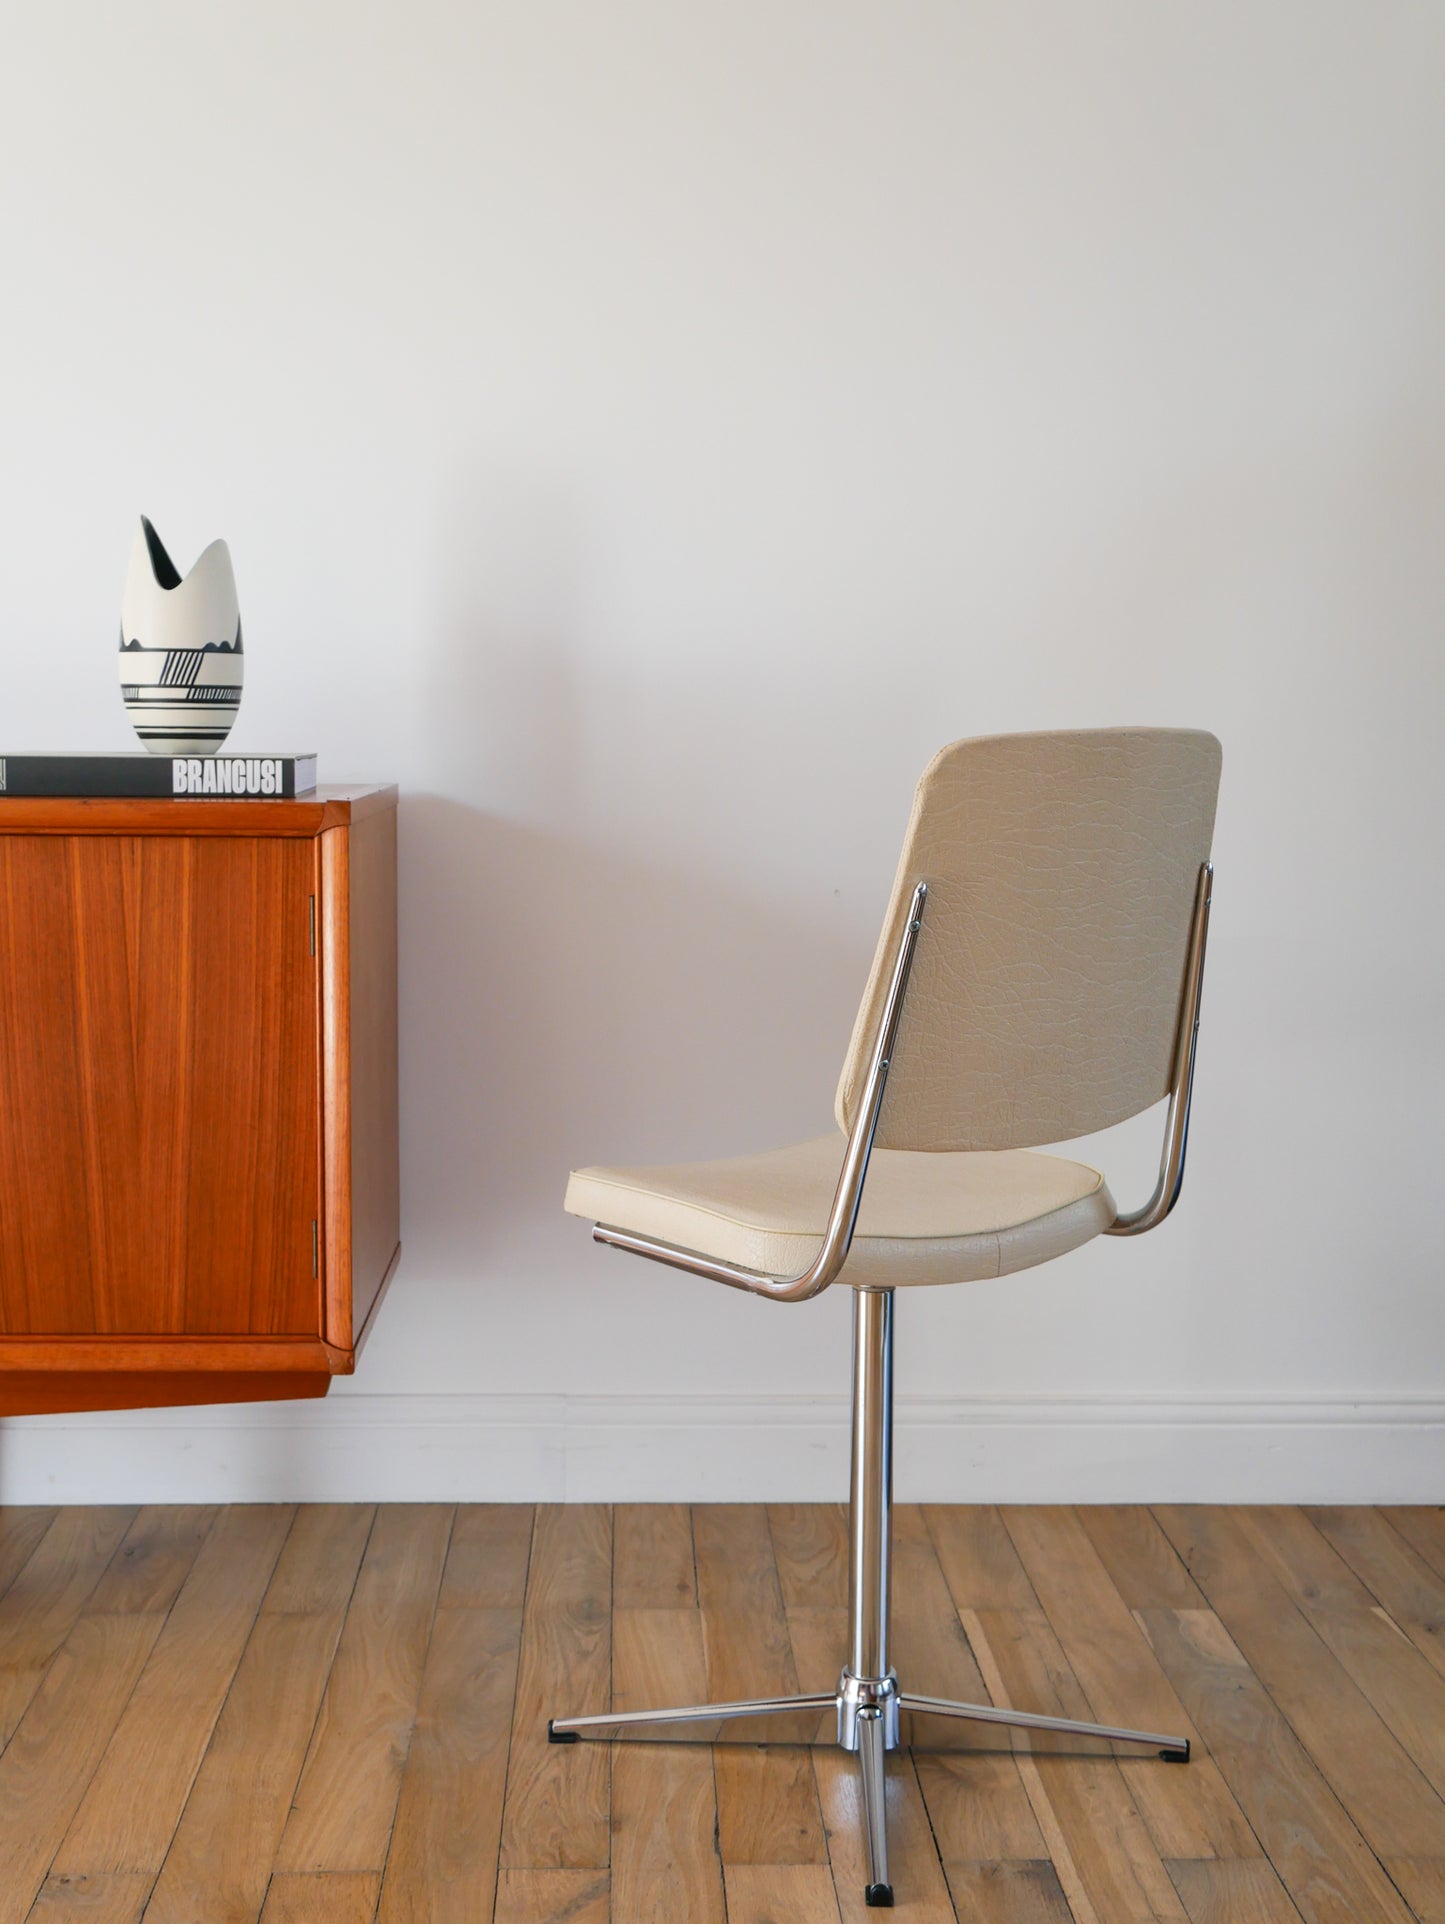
{"points": [[1181, 1084], [868, 1702]]}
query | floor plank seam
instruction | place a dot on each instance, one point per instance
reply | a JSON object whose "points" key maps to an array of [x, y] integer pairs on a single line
{"points": [[717, 1848], [176, 1599], [78, 1619], [226, 1694], [1352, 1827], [25, 1561], [80, 1608], [932, 1829], [611, 1675], [1392, 1737], [512, 1715], [416, 1711], [304, 1749]]}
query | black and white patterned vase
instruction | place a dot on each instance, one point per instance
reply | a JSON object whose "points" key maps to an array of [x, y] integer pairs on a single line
{"points": [[181, 664]]}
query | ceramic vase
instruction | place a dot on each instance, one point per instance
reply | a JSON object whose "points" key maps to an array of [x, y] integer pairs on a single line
{"points": [[180, 648]]}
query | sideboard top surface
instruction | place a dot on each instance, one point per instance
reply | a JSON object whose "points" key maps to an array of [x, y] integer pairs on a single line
{"points": [[334, 806]]}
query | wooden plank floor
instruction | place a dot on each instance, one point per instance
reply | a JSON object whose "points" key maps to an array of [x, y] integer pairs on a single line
{"points": [[336, 1714]]}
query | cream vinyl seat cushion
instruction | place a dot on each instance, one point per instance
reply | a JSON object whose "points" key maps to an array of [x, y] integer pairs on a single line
{"points": [[928, 1216]]}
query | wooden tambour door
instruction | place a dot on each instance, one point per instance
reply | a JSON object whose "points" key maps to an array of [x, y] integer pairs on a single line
{"points": [[197, 1095]]}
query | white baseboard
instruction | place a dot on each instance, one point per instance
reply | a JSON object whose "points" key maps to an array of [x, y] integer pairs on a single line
{"points": [[360, 1447]]}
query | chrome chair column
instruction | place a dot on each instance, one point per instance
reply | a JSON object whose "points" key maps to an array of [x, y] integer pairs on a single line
{"points": [[868, 1688], [871, 1523]]}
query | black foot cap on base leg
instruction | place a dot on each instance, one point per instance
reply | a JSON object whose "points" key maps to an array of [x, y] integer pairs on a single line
{"points": [[879, 1897], [1176, 1756], [555, 1736]]}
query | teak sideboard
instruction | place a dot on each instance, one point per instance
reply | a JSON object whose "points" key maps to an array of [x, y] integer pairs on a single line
{"points": [[198, 1096]]}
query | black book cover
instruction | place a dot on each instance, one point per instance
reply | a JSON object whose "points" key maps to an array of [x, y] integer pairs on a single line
{"points": [[278, 778]]}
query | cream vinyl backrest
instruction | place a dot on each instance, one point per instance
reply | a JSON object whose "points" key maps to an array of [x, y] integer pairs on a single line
{"points": [[1046, 986]]}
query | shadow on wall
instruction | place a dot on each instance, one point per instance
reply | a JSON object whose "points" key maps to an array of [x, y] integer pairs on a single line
{"points": [[562, 1005], [564, 1001]]}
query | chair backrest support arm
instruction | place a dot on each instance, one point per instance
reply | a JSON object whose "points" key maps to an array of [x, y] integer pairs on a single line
{"points": [[843, 1216], [1181, 1087]]}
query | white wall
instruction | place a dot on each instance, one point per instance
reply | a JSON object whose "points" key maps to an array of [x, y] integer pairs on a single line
{"points": [[646, 432]]}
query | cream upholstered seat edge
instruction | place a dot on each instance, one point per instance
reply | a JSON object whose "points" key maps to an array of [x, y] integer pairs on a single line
{"points": [[927, 1217]]}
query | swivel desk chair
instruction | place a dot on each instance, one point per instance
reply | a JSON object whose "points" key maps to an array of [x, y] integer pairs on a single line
{"points": [[1038, 978]]}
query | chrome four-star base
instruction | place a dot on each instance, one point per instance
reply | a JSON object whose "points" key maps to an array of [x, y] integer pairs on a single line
{"points": [[867, 1703], [867, 1712]]}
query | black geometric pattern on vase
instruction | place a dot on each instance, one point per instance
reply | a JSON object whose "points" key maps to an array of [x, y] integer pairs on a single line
{"points": [[181, 661]]}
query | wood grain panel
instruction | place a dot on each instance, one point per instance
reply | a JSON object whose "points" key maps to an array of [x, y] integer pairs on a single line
{"points": [[342, 1814], [118, 1899], [1189, 1813], [49, 1760], [781, 1894], [1325, 1864], [133, 1804], [1375, 1777], [1005, 1891], [220, 1860], [978, 1807], [1107, 1861], [652, 1558], [221, 1856], [557, 1813], [768, 1810], [977, 1558], [253, 1175], [929, 1646], [358, 940], [155, 1558], [317, 1568], [1371, 1648], [442, 1864], [664, 1834], [1405, 1585], [976, 1801], [1423, 1528], [810, 1547], [148, 1354], [55, 1391], [47, 1596], [553, 1897], [375, 1187], [1216, 1891], [1421, 1882], [22, 1526], [321, 1897], [47, 1278], [158, 1036], [487, 1560], [1143, 1563], [333, 941]]}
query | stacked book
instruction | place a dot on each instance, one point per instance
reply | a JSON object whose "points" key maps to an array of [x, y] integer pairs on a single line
{"points": [[254, 777]]}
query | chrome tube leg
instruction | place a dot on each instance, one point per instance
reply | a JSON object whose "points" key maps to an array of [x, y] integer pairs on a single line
{"points": [[872, 1488], [872, 1761], [1174, 1750], [566, 1730]]}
